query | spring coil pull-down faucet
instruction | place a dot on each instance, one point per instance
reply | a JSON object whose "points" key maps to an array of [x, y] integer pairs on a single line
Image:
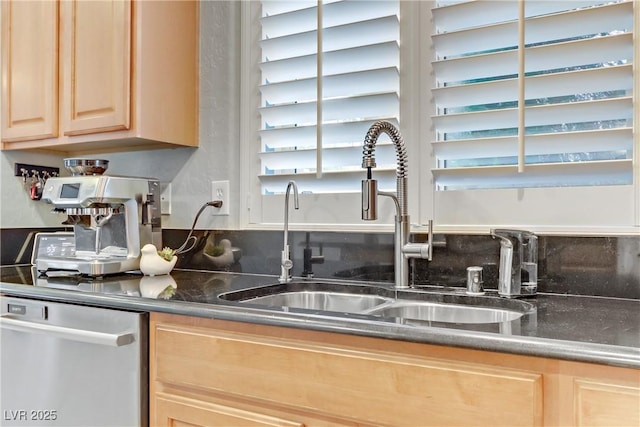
{"points": [[285, 261], [403, 250]]}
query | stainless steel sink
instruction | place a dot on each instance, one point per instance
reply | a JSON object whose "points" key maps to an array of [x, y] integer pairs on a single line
{"points": [[320, 300], [448, 313], [383, 303], [313, 295]]}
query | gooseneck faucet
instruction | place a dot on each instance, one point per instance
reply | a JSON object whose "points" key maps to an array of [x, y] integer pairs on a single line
{"points": [[403, 250], [518, 274], [285, 261]]}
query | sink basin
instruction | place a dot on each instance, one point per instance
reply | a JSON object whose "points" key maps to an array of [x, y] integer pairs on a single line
{"points": [[320, 300], [383, 303], [448, 313], [313, 295]]}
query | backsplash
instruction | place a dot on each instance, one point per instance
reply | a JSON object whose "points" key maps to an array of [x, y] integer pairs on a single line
{"points": [[600, 266], [603, 266]]}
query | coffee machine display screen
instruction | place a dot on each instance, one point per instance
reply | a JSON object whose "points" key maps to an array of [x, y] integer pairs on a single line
{"points": [[70, 191]]}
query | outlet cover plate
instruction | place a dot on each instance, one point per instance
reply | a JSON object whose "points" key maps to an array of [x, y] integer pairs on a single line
{"points": [[220, 191], [165, 198]]}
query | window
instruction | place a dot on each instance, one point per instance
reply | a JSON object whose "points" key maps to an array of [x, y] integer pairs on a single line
{"points": [[359, 68], [513, 116], [534, 113]]}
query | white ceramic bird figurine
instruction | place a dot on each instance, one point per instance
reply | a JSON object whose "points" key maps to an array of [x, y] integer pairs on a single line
{"points": [[152, 264]]}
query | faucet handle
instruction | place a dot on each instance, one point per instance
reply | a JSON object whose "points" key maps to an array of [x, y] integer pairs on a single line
{"points": [[287, 263]]}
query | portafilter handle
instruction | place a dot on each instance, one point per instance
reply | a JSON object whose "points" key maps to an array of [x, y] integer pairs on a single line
{"points": [[100, 221]]}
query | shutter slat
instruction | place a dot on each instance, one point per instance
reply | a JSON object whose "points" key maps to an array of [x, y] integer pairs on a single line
{"points": [[595, 20], [613, 172], [448, 18], [619, 139], [375, 31], [351, 84], [298, 18], [279, 7], [580, 112], [601, 50], [454, 17], [332, 182], [333, 133], [369, 57], [334, 159], [573, 112], [365, 107], [542, 86]]}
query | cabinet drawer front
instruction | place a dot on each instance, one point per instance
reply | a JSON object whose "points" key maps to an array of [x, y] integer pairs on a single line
{"points": [[179, 411], [346, 382]]}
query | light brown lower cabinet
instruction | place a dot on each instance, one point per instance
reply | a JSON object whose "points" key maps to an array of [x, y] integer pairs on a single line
{"points": [[206, 372]]}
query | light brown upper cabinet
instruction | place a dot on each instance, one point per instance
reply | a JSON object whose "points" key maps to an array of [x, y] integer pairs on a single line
{"points": [[29, 70], [96, 66], [83, 76]]}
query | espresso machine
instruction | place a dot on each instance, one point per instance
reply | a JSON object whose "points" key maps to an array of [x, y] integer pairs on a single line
{"points": [[112, 217]]}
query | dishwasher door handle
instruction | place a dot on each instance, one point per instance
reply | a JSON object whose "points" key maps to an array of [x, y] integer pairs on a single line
{"points": [[81, 335]]}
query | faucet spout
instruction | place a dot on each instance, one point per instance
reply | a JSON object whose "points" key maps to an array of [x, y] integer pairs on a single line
{"points": [[285, 261], [403, 250]]}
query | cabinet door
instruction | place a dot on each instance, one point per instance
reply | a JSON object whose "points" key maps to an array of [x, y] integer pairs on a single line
{"points": [[602, 404], [29, 70], [179, 411], [96, 65]]}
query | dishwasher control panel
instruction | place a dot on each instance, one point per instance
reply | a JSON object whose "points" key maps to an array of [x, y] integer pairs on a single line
{"points": [[31, 310]]}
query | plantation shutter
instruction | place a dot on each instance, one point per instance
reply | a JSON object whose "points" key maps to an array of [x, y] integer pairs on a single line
{"points": [[571, 62], [578, 91], [360, 84]]}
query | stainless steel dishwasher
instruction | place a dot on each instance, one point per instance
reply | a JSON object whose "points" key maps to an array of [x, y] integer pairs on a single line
{"points": [[72, 365]]}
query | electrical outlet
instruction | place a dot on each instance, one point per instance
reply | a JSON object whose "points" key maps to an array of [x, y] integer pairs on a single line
{"points": [[165, 198], [220, 191]]}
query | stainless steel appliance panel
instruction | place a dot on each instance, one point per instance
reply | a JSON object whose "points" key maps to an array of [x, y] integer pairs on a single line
{"points": [[71, 365]]}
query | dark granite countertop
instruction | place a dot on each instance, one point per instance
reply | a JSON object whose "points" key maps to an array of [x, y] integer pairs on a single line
{"points": [[581, 328]]}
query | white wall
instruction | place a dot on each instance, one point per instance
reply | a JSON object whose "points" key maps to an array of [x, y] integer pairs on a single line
{"points": [[189, 170]]}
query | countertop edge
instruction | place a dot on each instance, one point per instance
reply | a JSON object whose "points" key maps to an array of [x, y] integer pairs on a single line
{"points": [[627, 357]]}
